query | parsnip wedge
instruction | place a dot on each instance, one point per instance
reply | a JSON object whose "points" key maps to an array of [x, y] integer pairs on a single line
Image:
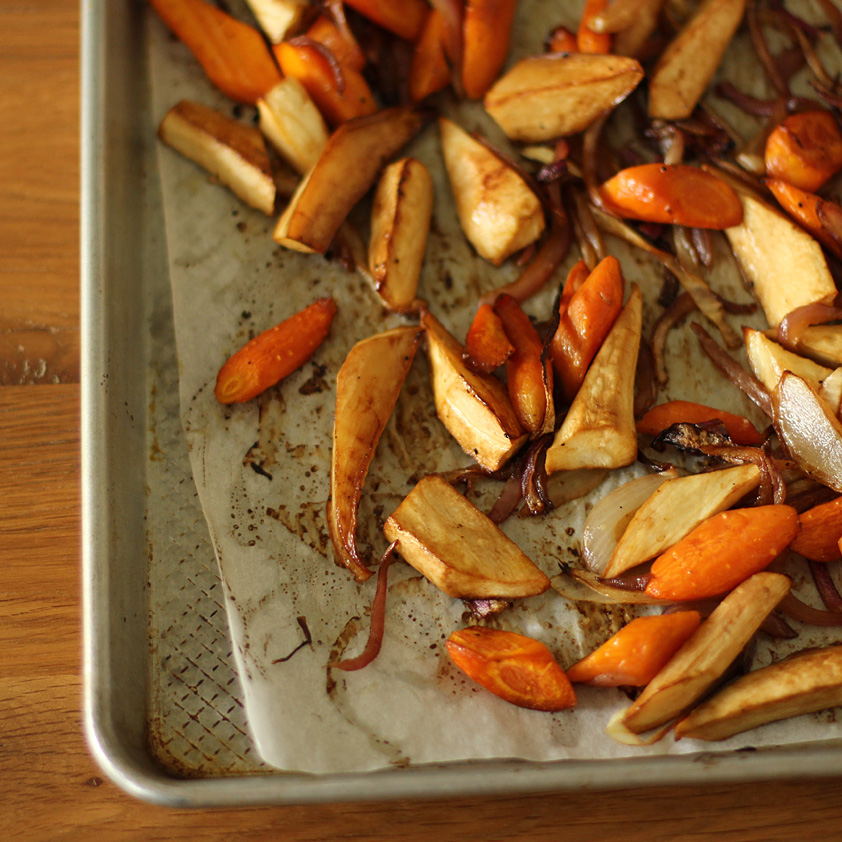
{"points": [[454, 545], [548, 96], [769, 361], [806, 682], [346, 169], [498, 211], [822, 343], [232, 152], [629, 41], [675, 508], [708, 653], [830, 391], [400, 222], [773, 251], [367, 388], [475, 408], [599, 429], [277, 18], [689, 62], [292, 123]]}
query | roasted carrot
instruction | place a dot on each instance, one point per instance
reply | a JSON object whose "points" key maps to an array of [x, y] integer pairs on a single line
{"points": [[275, 353], [561, 40], [821, 532], [406, 18], [429, 71], [528, 377], [805, 149], [306, 64], [722, 552], [487, 29], [516, 668], [675, 194], [575, 278], [233, 54], [805, 208], [486, 346], [587, 40], [635, 655], [585, 322], [660, 417], [346, 51]]}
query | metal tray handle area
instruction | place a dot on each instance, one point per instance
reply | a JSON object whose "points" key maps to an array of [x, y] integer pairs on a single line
{"points": [[152, 614]]}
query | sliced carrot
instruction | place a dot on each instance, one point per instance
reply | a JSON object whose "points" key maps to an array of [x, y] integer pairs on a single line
{"points": [[673, 194], [722, 552], [486, 346], [405, 18], [575, 278], [429, 71], [635, 655], [821, 532], [306, 64], [561, 40], [346, 51], [528, 377], [585, 322], [805, 149], [233, 54], [587, 40], [487, 29], [663, 416], [805, 208], [275, 353], [514, 667]]}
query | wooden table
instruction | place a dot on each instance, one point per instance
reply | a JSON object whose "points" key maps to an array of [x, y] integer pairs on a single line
{"points": [[51, 787]]}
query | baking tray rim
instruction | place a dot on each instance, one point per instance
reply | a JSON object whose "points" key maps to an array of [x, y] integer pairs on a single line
{"points": [[137, 775]]}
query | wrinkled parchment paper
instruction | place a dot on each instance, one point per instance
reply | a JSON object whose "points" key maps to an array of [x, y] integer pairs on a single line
{"points": [[262, 473]]}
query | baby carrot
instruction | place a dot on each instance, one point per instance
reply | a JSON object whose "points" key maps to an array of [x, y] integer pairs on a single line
{"points": [[514, 667], [722, 552], [486, 346], [805, 149], [806, 209], [660, 417], [673, 194], [233, 54], [429, 71], [487, 29], [275, 353], [635, 655], [406, 18], [587, 40], [821, 532], [346, 50]]}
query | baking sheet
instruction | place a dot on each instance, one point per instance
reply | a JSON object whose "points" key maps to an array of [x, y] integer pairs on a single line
{"points": [[262, 473]]}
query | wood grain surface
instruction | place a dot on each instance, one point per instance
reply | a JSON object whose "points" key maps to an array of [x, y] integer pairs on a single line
{"points": [[51, 787]]}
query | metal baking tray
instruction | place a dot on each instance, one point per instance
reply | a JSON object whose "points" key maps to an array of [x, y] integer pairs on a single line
{"points": [[163, 710]]}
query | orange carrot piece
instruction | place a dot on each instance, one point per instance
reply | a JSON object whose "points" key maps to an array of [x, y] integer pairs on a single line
{"points": [[587, 40], [275, 353], [722, 552], [405, 18], [429, 71], [529, 379], [306, 64], [561, 40], [585, 323], [347, 52], [805, 149], [575, 278], [514, 667], [674, 194], [660, 417], [821, 532], [636, 654], [233, 54], [804, 208], [486, 346], [487, 30]]}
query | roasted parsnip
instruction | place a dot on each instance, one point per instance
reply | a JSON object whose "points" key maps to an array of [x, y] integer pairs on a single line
{"points": [[498, 211], [232, 152], [454, 545], [599, 430], [277, 18], [769, 361], [367, 388], [400, 222]]}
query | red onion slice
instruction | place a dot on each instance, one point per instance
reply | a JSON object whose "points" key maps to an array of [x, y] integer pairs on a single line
{"points": [[794, 323]]}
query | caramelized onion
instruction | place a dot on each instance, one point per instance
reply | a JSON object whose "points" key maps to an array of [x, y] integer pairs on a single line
{"points": [[772, 486], [327, 54], [509, 498], [566, 486], [764, 55], [795, 322], [745, 382], [826, 586], [744, 101], [378, 618], [795, 609], [673, 315], [608, 519], [534, 478], [645, 380], [583, 586]]}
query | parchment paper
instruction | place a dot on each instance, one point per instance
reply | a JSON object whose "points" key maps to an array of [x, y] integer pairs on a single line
{"points": [[262, 473]]}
